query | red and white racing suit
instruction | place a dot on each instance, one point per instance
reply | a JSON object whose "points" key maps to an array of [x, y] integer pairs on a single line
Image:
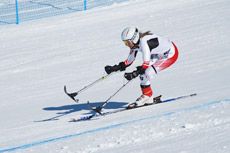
{"points": [[158, 53]]}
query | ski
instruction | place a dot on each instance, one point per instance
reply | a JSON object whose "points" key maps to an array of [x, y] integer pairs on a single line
{"points": [[89, 117]]}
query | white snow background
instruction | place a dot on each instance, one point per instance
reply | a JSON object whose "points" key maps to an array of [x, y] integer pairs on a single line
{"points": [[38, 58]]}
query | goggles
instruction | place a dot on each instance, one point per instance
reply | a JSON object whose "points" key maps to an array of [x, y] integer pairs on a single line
{"points": [[127, 42]]}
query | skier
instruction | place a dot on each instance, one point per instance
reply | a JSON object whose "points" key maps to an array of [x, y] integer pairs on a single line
{"points": [[158, 53]]}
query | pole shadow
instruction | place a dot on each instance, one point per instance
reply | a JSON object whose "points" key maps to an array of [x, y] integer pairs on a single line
{"points": [[68, 109]]}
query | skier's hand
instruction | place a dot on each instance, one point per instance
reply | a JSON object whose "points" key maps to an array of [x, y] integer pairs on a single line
{"points": [[141, 70], [108, 69], [132, 75], [122, 66]]}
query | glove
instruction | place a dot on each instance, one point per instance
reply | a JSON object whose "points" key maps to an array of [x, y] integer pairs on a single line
{"points": [[141, 70], [122, 66], [110, 69], [132, 75]]}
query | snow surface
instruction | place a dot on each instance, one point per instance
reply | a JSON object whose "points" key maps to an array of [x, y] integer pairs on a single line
{"points": [[38, 58]]}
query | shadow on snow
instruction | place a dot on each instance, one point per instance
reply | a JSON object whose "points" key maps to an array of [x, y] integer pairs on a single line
{"points": [[68, 109]]}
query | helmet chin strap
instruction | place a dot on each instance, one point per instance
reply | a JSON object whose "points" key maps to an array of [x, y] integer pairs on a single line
{"points": [[135, 46]]}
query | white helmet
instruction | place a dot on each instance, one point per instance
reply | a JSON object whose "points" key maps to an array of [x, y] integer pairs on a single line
{"points": [[130, 34]]}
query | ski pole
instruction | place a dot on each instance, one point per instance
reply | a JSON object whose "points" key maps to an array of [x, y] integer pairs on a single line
{"points": [[99, 108], [74, 94]]}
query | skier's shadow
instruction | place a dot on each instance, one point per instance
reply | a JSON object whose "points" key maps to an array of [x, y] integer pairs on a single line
{"points": [[68, 109]]}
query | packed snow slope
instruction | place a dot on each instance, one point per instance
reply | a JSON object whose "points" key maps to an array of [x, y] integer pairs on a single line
{"points": [[38, 58]]}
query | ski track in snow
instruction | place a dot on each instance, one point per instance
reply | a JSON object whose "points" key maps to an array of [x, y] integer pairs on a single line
{"points": [[38, 58]]}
